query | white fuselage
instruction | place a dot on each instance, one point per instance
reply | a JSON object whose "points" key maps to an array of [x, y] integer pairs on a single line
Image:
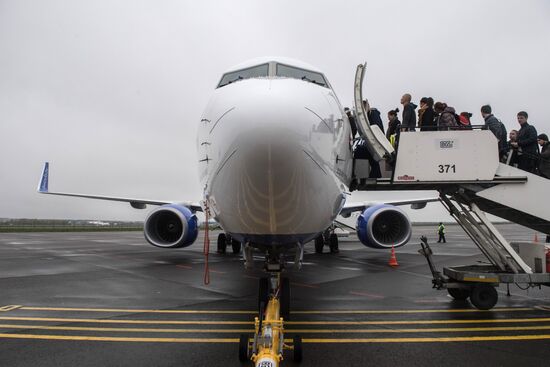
{"points": [[275, 159]]}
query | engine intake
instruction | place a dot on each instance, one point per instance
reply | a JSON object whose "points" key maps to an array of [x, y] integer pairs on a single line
{"points": [[384, 226], [171, 226]]}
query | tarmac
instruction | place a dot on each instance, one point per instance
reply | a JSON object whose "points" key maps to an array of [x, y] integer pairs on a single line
{"points": [[110, 299]]}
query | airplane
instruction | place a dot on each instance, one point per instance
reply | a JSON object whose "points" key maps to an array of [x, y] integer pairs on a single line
{"points": [[275, 165]]}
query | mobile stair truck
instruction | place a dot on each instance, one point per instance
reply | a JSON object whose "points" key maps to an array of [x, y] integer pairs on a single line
{"points": [[464, 167]]}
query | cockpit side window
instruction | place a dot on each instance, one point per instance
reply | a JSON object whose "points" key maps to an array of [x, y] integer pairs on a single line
{"points": [[253, 72], [297, 73]]}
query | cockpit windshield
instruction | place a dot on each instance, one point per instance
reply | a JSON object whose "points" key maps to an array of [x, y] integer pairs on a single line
{"points": [[253, 72], [297, 73]]}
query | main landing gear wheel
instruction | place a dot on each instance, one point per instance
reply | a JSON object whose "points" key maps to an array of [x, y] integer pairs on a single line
{"points": [[484, 296], [285, 299], [222, 243], [319, 244], [244, 354], [263, 293], [297, 340], [333, 243], [460, 294], [236, 246]]}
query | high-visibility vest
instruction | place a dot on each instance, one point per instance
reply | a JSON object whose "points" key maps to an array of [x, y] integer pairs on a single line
{"points": [[392, 140]]}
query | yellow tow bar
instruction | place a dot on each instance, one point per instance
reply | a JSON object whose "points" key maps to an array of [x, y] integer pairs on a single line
{"points": [[266, 348]]}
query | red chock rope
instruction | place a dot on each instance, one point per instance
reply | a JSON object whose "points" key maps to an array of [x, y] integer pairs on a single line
{"points": [[206, 247]]}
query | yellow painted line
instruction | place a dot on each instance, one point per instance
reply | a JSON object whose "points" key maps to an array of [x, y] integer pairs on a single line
{"points": [[70, 309], [119, 339], [132, 330], [467, 310], [317, 340], [9, 308], [202, 322], [415, 322], [427, 330], [432, 340], [302, 331], [122, 321], [305, 312]]}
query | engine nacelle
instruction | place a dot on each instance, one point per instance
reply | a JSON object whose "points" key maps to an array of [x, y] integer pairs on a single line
{"points": [[171, 226], [383, 226]]}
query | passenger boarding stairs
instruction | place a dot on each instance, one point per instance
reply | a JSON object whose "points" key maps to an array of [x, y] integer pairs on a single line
{"points": [[463, 166]]}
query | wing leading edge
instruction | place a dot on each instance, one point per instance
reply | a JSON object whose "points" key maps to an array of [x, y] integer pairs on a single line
{"points": [[419, 203], [135, 203]]}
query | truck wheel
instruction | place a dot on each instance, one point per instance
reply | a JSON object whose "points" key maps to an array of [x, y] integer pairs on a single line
{"points": [[459, 294], [484, 296], [243, 348], [222, 244], [297, 357]]}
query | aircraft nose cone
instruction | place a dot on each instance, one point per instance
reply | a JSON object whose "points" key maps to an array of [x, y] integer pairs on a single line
{"points": [[272, 178]]}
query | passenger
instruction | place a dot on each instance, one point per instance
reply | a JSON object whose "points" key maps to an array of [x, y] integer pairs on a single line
{"points": [[393, 125], [361, 150], [498, 129], [544, 161], [373, 115], [374, 119], [441, 233], [527, 141], [439, 107], [352, 123], [512, 158], [409, 117], [464, 120], [447, 119], [426, 114]]}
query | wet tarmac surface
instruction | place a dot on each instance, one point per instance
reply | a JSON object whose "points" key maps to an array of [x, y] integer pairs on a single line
{"points": [[110, 299]]}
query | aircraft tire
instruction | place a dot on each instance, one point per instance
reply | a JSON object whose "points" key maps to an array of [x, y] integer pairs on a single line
{"points": [[484, 296], [243, 348], [222, 243], [333, 243], [298, 354], [263, 293], [235, 246], [285, 298], [319, 244], [460, 294]]}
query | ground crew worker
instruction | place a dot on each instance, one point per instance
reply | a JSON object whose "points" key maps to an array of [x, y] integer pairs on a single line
{"points": [[441, 233]]}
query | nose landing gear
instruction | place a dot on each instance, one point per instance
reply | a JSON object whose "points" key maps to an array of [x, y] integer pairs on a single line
{"points": [[266, 347]]}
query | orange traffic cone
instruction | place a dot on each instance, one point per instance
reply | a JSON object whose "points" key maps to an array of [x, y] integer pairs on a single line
{"points": [[393, 259], [536, 239]]}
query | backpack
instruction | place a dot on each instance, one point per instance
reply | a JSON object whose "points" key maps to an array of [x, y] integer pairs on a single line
{"points": [[457, 119]]}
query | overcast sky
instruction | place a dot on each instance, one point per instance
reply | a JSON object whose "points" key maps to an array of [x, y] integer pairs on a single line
{"points": [[111, 92]]}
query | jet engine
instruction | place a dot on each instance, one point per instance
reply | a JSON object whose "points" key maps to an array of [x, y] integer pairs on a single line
{"points": [[383, 226], [171, 226]]}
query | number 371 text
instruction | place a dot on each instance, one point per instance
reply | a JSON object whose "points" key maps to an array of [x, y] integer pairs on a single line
{"points": [[446, 168]]}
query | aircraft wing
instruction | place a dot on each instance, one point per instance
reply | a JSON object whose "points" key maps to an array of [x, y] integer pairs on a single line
{"points": [[135, 203], [419, 203]]}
